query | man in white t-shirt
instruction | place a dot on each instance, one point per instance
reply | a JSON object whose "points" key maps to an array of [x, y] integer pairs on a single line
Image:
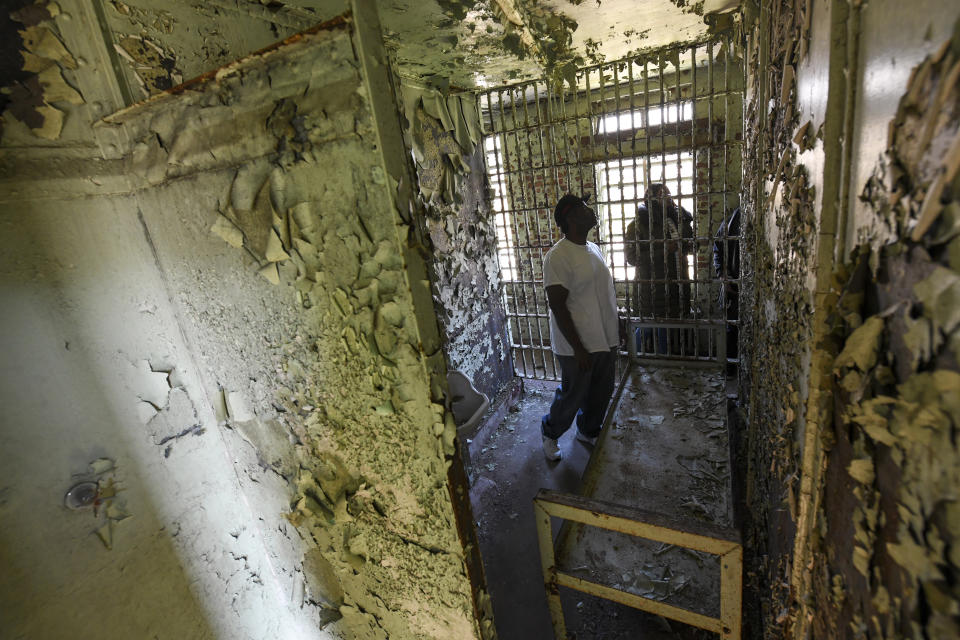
{"points": [[584, 330]]}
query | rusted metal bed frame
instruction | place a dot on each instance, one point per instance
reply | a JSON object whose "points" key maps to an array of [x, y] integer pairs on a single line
{"points": [[690, 534], [718, 541]]}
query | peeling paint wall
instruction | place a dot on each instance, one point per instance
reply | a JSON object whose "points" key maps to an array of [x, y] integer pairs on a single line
{"points": [[36, 94], [272, 397], [780, 227], [889, 523], [850, 377], [444, 134], [157, 46], [96, 369]]}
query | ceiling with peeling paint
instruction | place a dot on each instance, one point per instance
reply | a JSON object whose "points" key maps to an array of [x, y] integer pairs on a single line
{"points": [[461, 44], [494, 42]]}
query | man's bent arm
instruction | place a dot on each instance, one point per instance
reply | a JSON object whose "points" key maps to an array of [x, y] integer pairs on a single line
{"points": [[557, 297]]}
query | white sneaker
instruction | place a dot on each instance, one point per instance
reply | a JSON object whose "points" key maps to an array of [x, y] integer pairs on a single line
{"points": [[551, 449], [586, 440]]}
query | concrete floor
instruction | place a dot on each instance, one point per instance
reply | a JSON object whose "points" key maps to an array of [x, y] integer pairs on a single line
{"points": [[506, 476]]}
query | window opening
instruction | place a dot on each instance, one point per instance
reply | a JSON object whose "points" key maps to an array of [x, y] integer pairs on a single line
{"points": [[637, 118], [621, 185], [506, 255]]}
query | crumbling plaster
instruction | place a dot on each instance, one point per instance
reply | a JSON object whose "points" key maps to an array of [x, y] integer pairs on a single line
{"points": [[444, 133], [835, 555], [443, 43], [304, 349], [97, 368], [156, 41], [891, 459]]}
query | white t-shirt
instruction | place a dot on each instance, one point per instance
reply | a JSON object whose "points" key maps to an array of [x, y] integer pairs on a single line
{"points": [[582, 271]]}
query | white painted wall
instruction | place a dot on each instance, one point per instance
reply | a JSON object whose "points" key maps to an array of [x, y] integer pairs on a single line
{"points": [[85, 306], [268, 397], [894, 38]]}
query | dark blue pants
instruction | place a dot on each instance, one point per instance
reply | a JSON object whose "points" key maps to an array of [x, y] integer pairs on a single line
{"points": [[581, 394]]}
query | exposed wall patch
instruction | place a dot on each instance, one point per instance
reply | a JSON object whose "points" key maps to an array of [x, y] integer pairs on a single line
{"points": [[155, 69], [30, 98]]}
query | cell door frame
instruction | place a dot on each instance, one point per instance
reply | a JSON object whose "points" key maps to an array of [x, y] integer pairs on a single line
{"points": [[680, 104]]}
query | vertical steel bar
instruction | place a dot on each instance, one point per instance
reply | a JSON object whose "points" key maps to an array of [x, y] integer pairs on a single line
{"points": [[526, 169], [537, 126], [664, 285], [509, 305], [549, 565], [615, 239], [696, 289], [569, 158], [731, 592], [590, 128], [500, 208], [515, 179], [578, 119], [710, 156], [510, 292], [612, 238], [593, 142], [726, 158], [572, 159], [682, 285], [560, 159], [742, 235], [628, 286], [726, 122], [647, 241], [605, 137], [545, 118], [536, 249]]}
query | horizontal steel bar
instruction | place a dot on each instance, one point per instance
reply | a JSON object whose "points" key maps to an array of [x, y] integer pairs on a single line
{"points": [[703, 323], [639, 602], [522, 169], [715, 281], [696, 362], [699, 536]]}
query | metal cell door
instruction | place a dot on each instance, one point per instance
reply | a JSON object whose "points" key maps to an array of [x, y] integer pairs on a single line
{"points": [[672, 117]]}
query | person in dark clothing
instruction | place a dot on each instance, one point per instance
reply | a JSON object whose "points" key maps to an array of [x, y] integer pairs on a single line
{"points": [[726, 268], [658, 242]]}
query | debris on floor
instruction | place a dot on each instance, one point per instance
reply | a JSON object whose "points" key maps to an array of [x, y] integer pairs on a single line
{"points": [[668, 455], [511, 468]]}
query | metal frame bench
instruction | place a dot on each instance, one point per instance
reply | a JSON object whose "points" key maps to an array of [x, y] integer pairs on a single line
{"points": [[697, 536]]}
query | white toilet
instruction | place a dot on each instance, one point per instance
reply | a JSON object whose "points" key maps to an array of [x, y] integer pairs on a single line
{"points": [[467, 403]]}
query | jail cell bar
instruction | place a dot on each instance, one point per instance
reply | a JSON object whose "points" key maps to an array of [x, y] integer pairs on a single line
{"points": [[697, 536], [674, 117]]}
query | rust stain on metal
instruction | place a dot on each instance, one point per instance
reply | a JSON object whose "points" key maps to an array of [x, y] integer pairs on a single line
{"points": [[340, 22]]}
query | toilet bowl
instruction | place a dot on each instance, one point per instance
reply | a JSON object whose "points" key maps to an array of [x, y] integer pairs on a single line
{"points": [[468, 404]]}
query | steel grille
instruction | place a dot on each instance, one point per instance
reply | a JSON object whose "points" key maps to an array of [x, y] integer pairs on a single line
{"points": [[674, 117]]}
